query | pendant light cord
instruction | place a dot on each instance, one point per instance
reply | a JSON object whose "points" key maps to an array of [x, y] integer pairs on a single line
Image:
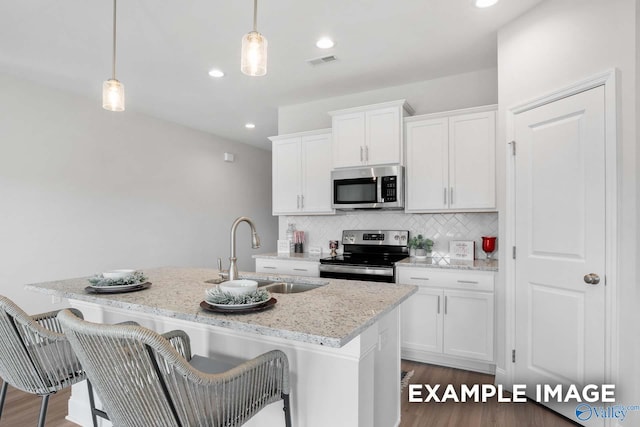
{"points": [[113, 70], [255, 15]]}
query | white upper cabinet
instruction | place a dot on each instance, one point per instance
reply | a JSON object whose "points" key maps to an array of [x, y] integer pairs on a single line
{"points": [[427, 172], [451, 161], [472, 161], [316, 174], [301, 171], [348, 129], [369, 135]]}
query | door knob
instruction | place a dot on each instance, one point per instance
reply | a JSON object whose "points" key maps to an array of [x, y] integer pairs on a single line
{"points": [[591, 278]]}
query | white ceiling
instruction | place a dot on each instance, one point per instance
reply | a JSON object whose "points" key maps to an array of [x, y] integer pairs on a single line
{"points": [[166, 48]]}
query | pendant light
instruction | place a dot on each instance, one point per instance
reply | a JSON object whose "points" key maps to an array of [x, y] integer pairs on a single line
{"points": [[254, 49], [112, 89]]}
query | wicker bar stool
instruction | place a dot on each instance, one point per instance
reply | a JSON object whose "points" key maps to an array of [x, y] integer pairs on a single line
{"points": [[144, 378], [35, 356]]}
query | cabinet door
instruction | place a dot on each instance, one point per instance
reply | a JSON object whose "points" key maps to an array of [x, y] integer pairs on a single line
{"points": [[427, 165], [316, 174], [286, 176], [472, 142], [383, 136], [468, 324], [421, 317], [348, 132]]}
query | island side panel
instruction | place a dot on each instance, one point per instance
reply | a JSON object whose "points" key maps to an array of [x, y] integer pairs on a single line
{"points": [[347, 386]]}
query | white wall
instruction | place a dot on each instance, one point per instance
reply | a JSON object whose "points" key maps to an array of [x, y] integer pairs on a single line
{"points": [[558, 43], [85, 190], [447, 93]]}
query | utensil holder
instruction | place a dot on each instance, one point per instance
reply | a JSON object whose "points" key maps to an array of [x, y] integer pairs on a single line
{"points": [[298, 248]]}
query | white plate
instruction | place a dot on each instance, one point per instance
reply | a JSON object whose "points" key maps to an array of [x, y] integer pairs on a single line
{"points": [[236, 306], [117, 287]]}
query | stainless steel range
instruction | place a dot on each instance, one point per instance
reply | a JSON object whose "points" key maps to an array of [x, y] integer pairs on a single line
{"points": [[367, 255]]}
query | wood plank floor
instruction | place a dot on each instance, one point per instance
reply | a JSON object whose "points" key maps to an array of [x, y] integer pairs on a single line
{"points": [[451, 414], [21, 409]]}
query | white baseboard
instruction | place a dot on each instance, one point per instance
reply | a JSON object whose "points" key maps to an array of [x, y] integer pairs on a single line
{"points": [[449, 361]]}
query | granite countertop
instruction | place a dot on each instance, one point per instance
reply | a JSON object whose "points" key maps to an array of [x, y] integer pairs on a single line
{"points": [[330, 315], [293, 257], [446, 263]]}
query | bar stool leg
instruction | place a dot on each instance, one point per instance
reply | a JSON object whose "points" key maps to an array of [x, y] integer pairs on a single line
{"points": [[43, 410], [287, 410], [94, 411], [3, 395]]}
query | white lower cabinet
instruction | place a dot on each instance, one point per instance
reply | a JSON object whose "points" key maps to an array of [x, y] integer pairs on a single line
{"points": [[290, 267], [450, 320]]}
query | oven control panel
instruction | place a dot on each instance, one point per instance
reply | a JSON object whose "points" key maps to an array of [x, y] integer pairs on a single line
{"points": [[375, 237]]}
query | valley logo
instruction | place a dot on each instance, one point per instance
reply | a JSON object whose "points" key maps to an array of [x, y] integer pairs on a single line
{"points": [[585, 412]]}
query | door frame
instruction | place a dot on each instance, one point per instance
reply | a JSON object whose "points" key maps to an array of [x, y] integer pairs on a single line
{"points": [[608, 79]]}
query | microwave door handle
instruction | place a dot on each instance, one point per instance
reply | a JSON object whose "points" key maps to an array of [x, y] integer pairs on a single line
{"points": [[379, 192]]}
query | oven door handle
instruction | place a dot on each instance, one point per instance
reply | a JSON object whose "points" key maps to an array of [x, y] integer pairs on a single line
{"points": [[354, 269]]}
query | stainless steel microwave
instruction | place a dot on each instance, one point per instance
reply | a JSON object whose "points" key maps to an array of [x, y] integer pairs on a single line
{"points": [[374, 187]]}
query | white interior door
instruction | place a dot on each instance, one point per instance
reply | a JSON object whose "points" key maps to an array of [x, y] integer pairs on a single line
{"points": [[560, 238]]}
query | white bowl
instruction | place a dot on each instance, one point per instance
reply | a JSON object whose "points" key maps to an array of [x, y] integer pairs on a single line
{"points": [[238, 287], [117, 274]]}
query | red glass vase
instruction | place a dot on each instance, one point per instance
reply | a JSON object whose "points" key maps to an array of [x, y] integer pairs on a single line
{"points": [[489, 245]]}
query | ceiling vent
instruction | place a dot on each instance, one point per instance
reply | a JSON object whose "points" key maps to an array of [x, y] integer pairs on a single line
{"points": [[322, 60]]}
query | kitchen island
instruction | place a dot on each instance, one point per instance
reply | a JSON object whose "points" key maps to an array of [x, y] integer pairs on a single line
{"points": [[342, 339]]}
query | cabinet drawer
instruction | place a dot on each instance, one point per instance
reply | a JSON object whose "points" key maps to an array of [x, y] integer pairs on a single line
{"points": [[294, 268], [448, 279]]}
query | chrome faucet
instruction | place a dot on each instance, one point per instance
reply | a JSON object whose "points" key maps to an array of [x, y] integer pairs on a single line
{"points": [[255, 244]]}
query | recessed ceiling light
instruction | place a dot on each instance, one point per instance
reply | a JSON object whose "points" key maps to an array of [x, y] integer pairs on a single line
{"points": [[325, 43], [216, 73], [250, 125], [485, 3]]}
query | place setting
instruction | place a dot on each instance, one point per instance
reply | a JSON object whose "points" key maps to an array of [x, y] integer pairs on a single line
{"points": [[237, 297], [117, 282]]}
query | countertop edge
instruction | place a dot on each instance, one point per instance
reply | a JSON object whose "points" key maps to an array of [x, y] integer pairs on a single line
{"points": [[443, 263], [293, 257]]}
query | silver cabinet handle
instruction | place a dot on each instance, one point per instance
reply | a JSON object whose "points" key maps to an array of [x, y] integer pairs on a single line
{"points": [[302, 201], [445, 304], [445, 195], [438, 304], [361, 158], [419, 278], [269, 267], [451, 197], [591, 279], [468, 282], [300, 269]]}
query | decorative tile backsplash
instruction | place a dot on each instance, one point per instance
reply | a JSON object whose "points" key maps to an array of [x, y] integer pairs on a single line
{"points": [[441, 228]]}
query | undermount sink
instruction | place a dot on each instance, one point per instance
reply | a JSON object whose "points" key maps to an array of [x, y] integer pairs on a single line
{"points": [[277, 287], [288, 287]]}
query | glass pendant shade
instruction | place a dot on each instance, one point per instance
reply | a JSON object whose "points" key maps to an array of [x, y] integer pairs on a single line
{"points": [[254, 54], [113, 95]]}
